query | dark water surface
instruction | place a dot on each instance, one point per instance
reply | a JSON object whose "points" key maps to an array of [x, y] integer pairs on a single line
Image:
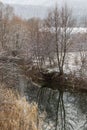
{"points": [[71, 115]]}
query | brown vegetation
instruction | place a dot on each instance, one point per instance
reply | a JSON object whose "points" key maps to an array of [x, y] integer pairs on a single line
{"points": [[15, 112]]}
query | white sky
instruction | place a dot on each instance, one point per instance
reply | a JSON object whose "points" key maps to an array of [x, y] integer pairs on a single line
{"points": [[30, 2], [46, 2]]}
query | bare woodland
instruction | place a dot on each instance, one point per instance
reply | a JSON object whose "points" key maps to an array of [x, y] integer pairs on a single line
{"points": [[28, 48]]}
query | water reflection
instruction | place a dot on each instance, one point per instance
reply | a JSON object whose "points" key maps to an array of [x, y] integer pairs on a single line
{"points": [[65, 111]]}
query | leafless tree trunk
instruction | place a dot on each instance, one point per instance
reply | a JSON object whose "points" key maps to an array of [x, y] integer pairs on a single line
{"points": [[61, 25]]}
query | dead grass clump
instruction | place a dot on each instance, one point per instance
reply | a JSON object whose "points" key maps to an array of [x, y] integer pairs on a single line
{"points": [[15, 112]]}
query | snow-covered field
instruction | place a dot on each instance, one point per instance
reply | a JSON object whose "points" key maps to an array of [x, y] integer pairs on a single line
{"points": [[74, 62], [73, 30]]}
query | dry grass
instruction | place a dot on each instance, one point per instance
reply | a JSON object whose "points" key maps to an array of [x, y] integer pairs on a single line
{"points": [[15, 112]]}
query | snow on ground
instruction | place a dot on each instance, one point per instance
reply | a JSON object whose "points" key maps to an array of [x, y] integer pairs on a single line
{"points": [[73, 30], [73, 62]]}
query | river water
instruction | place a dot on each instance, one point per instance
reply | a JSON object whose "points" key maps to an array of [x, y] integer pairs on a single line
{"points": [[75, 105]]}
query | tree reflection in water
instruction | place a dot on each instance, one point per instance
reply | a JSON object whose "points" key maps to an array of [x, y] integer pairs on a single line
{"points": [[60, 120], [67, 110]]}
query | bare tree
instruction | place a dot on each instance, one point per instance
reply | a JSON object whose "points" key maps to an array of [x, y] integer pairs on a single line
{"points": [[36, 40], [6, 14], [61, 22]]}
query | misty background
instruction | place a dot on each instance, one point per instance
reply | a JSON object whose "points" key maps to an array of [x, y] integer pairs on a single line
{"points": [[32, 8]]}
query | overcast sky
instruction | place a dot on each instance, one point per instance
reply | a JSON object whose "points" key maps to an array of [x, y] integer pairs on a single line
{"points": [[34, 2], [47, 2], [30, 2]]}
